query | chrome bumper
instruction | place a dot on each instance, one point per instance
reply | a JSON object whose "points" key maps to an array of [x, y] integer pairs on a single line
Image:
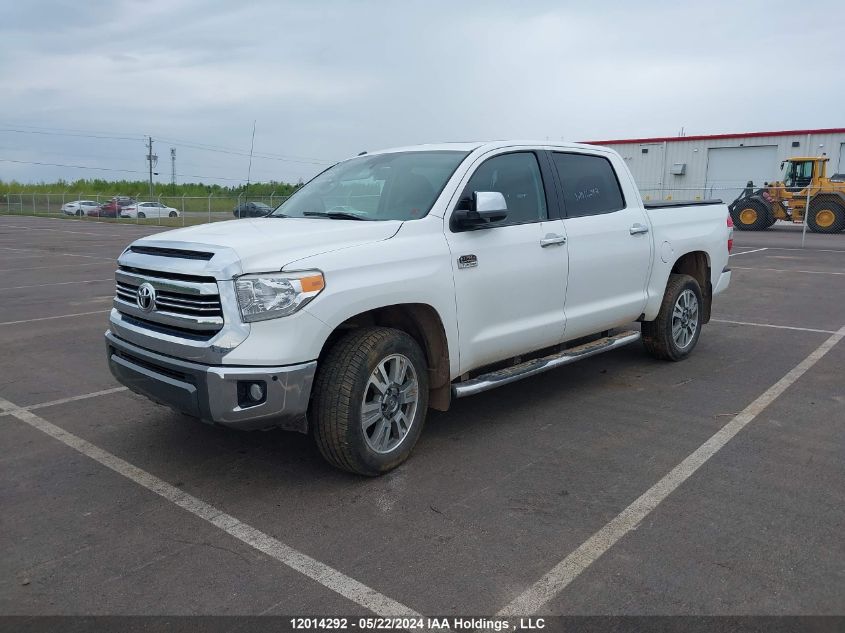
{"points": [[210, 392]]}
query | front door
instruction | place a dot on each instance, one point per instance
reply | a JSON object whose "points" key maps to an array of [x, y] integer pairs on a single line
{"points": [[510, 277]]}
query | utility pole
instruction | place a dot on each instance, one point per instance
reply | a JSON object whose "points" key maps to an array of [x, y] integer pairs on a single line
{"points": [[249, 169], [152, 159], [173, 166]]}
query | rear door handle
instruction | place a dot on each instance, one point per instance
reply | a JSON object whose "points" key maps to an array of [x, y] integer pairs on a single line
{"points": [[551, 239], [638, 228]]}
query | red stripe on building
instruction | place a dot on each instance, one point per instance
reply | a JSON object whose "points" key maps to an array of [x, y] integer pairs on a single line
{"points": [[706, 137]]}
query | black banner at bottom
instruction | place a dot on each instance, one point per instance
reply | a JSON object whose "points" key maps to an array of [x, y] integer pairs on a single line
{"points": [[466, 624]]}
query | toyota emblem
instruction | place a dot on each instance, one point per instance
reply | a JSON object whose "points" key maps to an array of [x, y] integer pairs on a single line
{"points": [[146, 298]]}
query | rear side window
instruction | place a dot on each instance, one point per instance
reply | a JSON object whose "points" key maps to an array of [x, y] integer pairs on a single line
{"points": [[590, 186]]}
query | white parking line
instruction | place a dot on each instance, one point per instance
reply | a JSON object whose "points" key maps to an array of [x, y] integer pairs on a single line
{"points": [[44, 252], [785, 270], [756, 250], [780, 327], [84, 396], [56, 283], [113, 262], [32, 227], [805, 250], [562, 574], [315, 570], [50, 318]]}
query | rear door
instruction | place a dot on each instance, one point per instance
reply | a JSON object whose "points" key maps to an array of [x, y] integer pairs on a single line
{"points": [[610, 249], [510, 277]]}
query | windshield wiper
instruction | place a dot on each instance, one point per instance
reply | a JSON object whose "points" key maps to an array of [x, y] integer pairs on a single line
{"points": [[335, 215]]}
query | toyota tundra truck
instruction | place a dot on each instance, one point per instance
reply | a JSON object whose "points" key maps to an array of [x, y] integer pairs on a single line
{"points": [[396, 281]]}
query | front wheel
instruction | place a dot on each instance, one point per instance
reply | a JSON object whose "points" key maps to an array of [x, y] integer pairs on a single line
{"points": [[675, 331], [172, 214], [79, 212], [370, 400], [751, 215]]}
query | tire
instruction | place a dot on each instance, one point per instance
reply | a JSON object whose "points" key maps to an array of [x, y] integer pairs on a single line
{"points": [[142, 215], [751, 215], [172, 214], [346, 382], [826, 215], [79, 212], [670, 336]]}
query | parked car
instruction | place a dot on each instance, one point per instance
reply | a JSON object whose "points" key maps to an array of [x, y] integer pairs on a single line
{"points": [[148, 210], [112, 208], [479, 265], [252, 210], [79, 207], [107, 210]]}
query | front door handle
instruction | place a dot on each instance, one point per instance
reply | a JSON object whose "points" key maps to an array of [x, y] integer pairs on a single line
{"points": [[551, 239], [638, 228]]}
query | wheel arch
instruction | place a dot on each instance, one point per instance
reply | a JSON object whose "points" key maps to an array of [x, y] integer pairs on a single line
{"points": [[696, 264], [422, 323], [822, 195]]}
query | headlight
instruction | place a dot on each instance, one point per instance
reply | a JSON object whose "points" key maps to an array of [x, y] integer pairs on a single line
{"points": [[272, 295]]}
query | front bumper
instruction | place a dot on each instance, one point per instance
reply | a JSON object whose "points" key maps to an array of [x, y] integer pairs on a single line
{"points": [[210, 392]]}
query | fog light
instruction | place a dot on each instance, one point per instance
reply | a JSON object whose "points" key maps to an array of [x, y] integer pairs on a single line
{"points": [[256, 392], [251, 393]]}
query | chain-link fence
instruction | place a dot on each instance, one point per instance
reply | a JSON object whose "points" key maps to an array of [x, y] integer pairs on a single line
{"points": [[139, 208], [818, 204]]}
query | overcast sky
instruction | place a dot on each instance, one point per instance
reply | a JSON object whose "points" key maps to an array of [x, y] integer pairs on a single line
{"points": [[326, 79]]}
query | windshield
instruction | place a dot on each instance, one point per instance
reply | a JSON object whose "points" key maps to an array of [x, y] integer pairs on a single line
{"points": [[395, 186]]}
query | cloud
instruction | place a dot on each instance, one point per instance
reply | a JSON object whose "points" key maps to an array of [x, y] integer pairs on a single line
{"points": [[326, 80]]}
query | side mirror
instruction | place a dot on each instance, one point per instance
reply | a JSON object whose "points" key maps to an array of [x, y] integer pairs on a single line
{"points": [[485, 207]]}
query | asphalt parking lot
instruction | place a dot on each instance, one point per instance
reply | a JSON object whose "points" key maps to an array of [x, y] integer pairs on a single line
{"points": [[105, 496]]}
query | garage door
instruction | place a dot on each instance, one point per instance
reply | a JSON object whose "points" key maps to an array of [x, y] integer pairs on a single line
{"points": [[840, 167], [729, 168]]}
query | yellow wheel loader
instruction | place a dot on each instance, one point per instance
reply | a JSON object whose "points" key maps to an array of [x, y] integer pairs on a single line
{"points": [[803, 178]]}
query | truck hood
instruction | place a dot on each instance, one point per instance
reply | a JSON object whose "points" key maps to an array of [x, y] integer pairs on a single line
{"points": [[267, 244]]}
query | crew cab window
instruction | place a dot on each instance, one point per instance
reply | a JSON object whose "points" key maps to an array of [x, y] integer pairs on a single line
{"points": [[590, 186], [517, 177]]}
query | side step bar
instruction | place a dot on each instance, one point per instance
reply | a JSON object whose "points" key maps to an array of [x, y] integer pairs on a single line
{"points": [[539, 365]]}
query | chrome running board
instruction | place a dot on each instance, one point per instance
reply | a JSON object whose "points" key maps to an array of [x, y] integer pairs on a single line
{"points": [[539, 365]]}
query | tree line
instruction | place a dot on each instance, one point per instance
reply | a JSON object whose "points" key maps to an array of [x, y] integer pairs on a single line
{"points": [[130, 187]]}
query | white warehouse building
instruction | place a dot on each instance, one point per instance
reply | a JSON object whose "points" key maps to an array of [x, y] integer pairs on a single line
{"points": [[720, 165]]}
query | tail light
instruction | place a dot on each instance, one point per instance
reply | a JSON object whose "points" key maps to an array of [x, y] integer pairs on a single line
{"points": [[730, 235]]}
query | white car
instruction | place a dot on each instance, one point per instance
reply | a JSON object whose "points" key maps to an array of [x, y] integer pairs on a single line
{"points": [[149, 210], [80, 207], [477, 264]]}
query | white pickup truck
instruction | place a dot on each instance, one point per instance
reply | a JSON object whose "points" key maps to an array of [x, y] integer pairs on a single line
{"points": [[397, 280]]}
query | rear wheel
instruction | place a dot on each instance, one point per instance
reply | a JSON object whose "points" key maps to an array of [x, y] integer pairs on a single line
{"points": [[751, 215], [142, 215], [370, 400], [826, 215], [675, 331]]}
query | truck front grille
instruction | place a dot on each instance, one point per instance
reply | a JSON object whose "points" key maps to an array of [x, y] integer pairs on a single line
{"points": [[176, 303]]}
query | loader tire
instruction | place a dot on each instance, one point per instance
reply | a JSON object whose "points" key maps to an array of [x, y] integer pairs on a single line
{"points": [[675, 331], [370, 400], [751, 215], [826, 214]]}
